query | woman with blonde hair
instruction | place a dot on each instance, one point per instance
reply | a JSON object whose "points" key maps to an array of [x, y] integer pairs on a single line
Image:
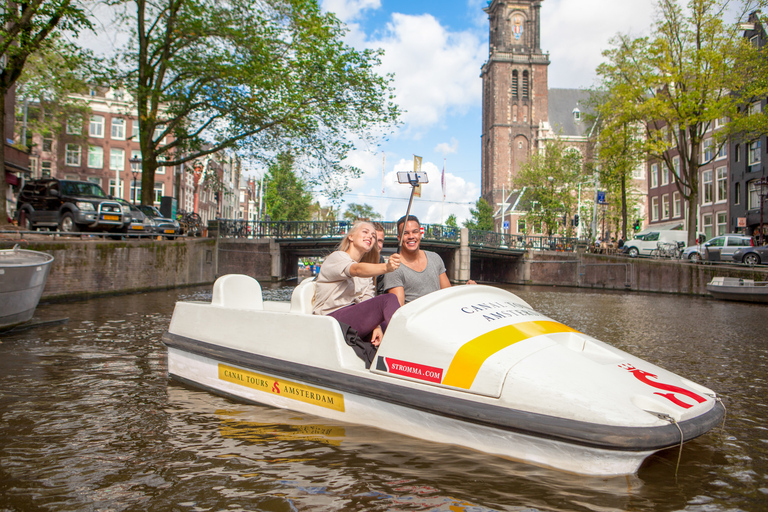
{"points": [[345, 287]]}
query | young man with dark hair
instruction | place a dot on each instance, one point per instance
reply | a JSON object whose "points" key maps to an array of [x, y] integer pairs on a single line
{"points": [[421, 272]]}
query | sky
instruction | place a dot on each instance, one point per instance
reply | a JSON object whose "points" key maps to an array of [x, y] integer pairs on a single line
{"points": [[435, 50]]}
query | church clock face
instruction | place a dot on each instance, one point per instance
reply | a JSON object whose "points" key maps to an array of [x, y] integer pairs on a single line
{"points": [[517, 27]]}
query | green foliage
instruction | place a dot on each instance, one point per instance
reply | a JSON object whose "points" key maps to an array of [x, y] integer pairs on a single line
{"points": [[551, 179], [451, 221], [285, 195], [482, 216], [260, 77], [24, 28], [361, 212], [679, 82]]}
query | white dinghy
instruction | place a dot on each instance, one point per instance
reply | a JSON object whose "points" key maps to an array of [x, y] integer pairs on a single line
{"points": [[474, 366]]}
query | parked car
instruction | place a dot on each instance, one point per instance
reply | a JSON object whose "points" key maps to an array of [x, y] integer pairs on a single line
{"points": [[727, 244], [69, 205], [754, 255], [648, 240], [137, 221], [169, 228]]}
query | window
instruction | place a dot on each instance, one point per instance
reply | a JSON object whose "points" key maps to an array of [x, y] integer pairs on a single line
{"points": [[95, 157], [75, 125], [676, 165], [677, 205], [737, 193], [159, 129], [654, 175], [707, 151], [754, 108], [161, 165], [135, 129], [159, 191], [116, 159], [514, 84], [72, 155], [706, 187], [525, 85], [722, 185], [33, 167], [118, 129], [707, 226], [45, 168], [665, 206], [47, 144], [95, 180], [116, 192], [722, 152], [753, 195], [637, 173], [722, 223], [655, 208], [753, 153], [136, 191], [96, 128], [665, 174], [736, 152]]}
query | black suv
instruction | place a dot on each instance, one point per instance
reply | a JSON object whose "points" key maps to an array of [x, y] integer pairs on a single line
{"points": [[69, 206]]}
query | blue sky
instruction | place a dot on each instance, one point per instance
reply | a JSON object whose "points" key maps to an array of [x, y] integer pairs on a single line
{"points": [[435, 49]]}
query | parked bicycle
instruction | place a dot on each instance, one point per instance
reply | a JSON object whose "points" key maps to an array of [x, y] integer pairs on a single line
{"points": [[190, 222]]}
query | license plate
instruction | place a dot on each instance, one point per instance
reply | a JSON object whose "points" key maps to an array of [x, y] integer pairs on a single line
{"points": [[168, 231], [138, 228], [110, 217]]}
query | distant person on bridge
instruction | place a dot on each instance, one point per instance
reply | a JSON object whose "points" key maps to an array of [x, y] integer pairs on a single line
{"points": [[421, 272], [345, 288]]}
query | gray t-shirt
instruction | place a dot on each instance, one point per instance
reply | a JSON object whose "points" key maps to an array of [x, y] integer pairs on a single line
{"points": [[416, 284]]}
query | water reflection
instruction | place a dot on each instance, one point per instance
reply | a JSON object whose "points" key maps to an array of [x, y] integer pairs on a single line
{"points": [[89, 421]]}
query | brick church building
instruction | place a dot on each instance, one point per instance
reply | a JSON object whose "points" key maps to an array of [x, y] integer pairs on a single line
{"points": [[520, 112]]}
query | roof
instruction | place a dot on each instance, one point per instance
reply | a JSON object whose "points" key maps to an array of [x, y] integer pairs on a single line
{"points": [[561, 106]]}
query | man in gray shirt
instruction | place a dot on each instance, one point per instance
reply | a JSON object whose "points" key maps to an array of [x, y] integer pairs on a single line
{"points": [[420, 272]]}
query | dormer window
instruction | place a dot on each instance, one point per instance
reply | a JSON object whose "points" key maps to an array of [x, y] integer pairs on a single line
{"points": [[576, 114]]}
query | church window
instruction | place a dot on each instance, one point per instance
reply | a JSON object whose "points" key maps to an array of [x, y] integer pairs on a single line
{"points": [[525, 85], [514, 84]]}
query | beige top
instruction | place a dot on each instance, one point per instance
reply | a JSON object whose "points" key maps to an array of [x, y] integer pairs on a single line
{"points": [[336, 288]]}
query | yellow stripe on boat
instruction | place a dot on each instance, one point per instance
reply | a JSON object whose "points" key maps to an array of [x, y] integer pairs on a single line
{"points": [[471, 356]]}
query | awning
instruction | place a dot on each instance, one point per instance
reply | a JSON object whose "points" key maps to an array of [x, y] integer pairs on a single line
{"points": [[11, 179]]}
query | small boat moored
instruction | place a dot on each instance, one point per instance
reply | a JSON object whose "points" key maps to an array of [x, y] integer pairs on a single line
{"points": [[734, 288], [473, 366], [23, 274]]}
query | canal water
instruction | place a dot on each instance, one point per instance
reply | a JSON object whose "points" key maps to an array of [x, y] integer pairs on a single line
{"points": [[89, 421]]}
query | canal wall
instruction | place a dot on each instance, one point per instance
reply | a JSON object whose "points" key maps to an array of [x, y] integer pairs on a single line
{"points": [[89, 268], [585, 270]]}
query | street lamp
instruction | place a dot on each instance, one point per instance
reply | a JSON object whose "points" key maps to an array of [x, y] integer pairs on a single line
{"points": [[135, 169]]}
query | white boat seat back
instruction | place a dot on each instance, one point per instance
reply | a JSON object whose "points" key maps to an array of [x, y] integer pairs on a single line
{"points": [[302, 298], [237, 291]]}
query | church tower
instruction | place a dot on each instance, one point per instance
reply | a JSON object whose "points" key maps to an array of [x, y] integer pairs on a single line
{"points": [[514, 93]]}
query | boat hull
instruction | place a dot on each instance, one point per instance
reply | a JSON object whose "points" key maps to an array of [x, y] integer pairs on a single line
{"points": [[577, 447], [739, 293], [23, 275]]}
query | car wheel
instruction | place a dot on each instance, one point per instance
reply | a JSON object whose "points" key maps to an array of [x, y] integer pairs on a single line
{"points": [[24, 222], [68, 224], [751, 259], [695, 256], [633, 252]]}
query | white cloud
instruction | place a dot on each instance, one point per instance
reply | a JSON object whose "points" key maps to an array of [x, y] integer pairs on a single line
{"points": [[575, 32], [446, 148], [349, 10], [436, 71]]}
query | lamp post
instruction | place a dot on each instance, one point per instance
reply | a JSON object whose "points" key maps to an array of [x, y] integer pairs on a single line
{"points": [[197, 172], [135, 169]]}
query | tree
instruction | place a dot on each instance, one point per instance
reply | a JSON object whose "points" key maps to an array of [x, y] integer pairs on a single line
{"points": [[551, 178], [285, 195], [262, 77], [451, 221], [482, 216], [679, 83], [361, 211], [25, 27]]}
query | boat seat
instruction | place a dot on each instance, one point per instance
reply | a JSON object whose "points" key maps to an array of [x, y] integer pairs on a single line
{"points": [[237, 291], [303, 296]]}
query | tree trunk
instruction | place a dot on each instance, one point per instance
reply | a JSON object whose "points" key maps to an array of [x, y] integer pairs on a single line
{"points": [[4, 214]]}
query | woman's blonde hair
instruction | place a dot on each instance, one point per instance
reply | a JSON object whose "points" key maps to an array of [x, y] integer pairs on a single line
{"points": [[372, 256]]}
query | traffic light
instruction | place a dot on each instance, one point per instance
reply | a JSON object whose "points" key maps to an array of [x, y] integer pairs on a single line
{"points": [[636, 225], [576, 220], [565, 219]]}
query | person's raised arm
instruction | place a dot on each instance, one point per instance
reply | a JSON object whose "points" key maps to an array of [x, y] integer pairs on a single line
{"points": [[375, 269]]}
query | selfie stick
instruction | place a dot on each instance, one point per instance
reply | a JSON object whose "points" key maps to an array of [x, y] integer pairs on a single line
{"points": [[414, 179]]}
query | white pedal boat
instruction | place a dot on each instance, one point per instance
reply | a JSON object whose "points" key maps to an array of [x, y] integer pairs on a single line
{"points": [[473, 366]]}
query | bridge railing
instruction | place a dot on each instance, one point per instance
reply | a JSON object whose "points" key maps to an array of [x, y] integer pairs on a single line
{"points": [[237, 228]]}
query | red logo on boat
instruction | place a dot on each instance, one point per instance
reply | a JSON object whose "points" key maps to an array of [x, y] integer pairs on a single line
{"points": [[645, 377], [417, 371]]}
